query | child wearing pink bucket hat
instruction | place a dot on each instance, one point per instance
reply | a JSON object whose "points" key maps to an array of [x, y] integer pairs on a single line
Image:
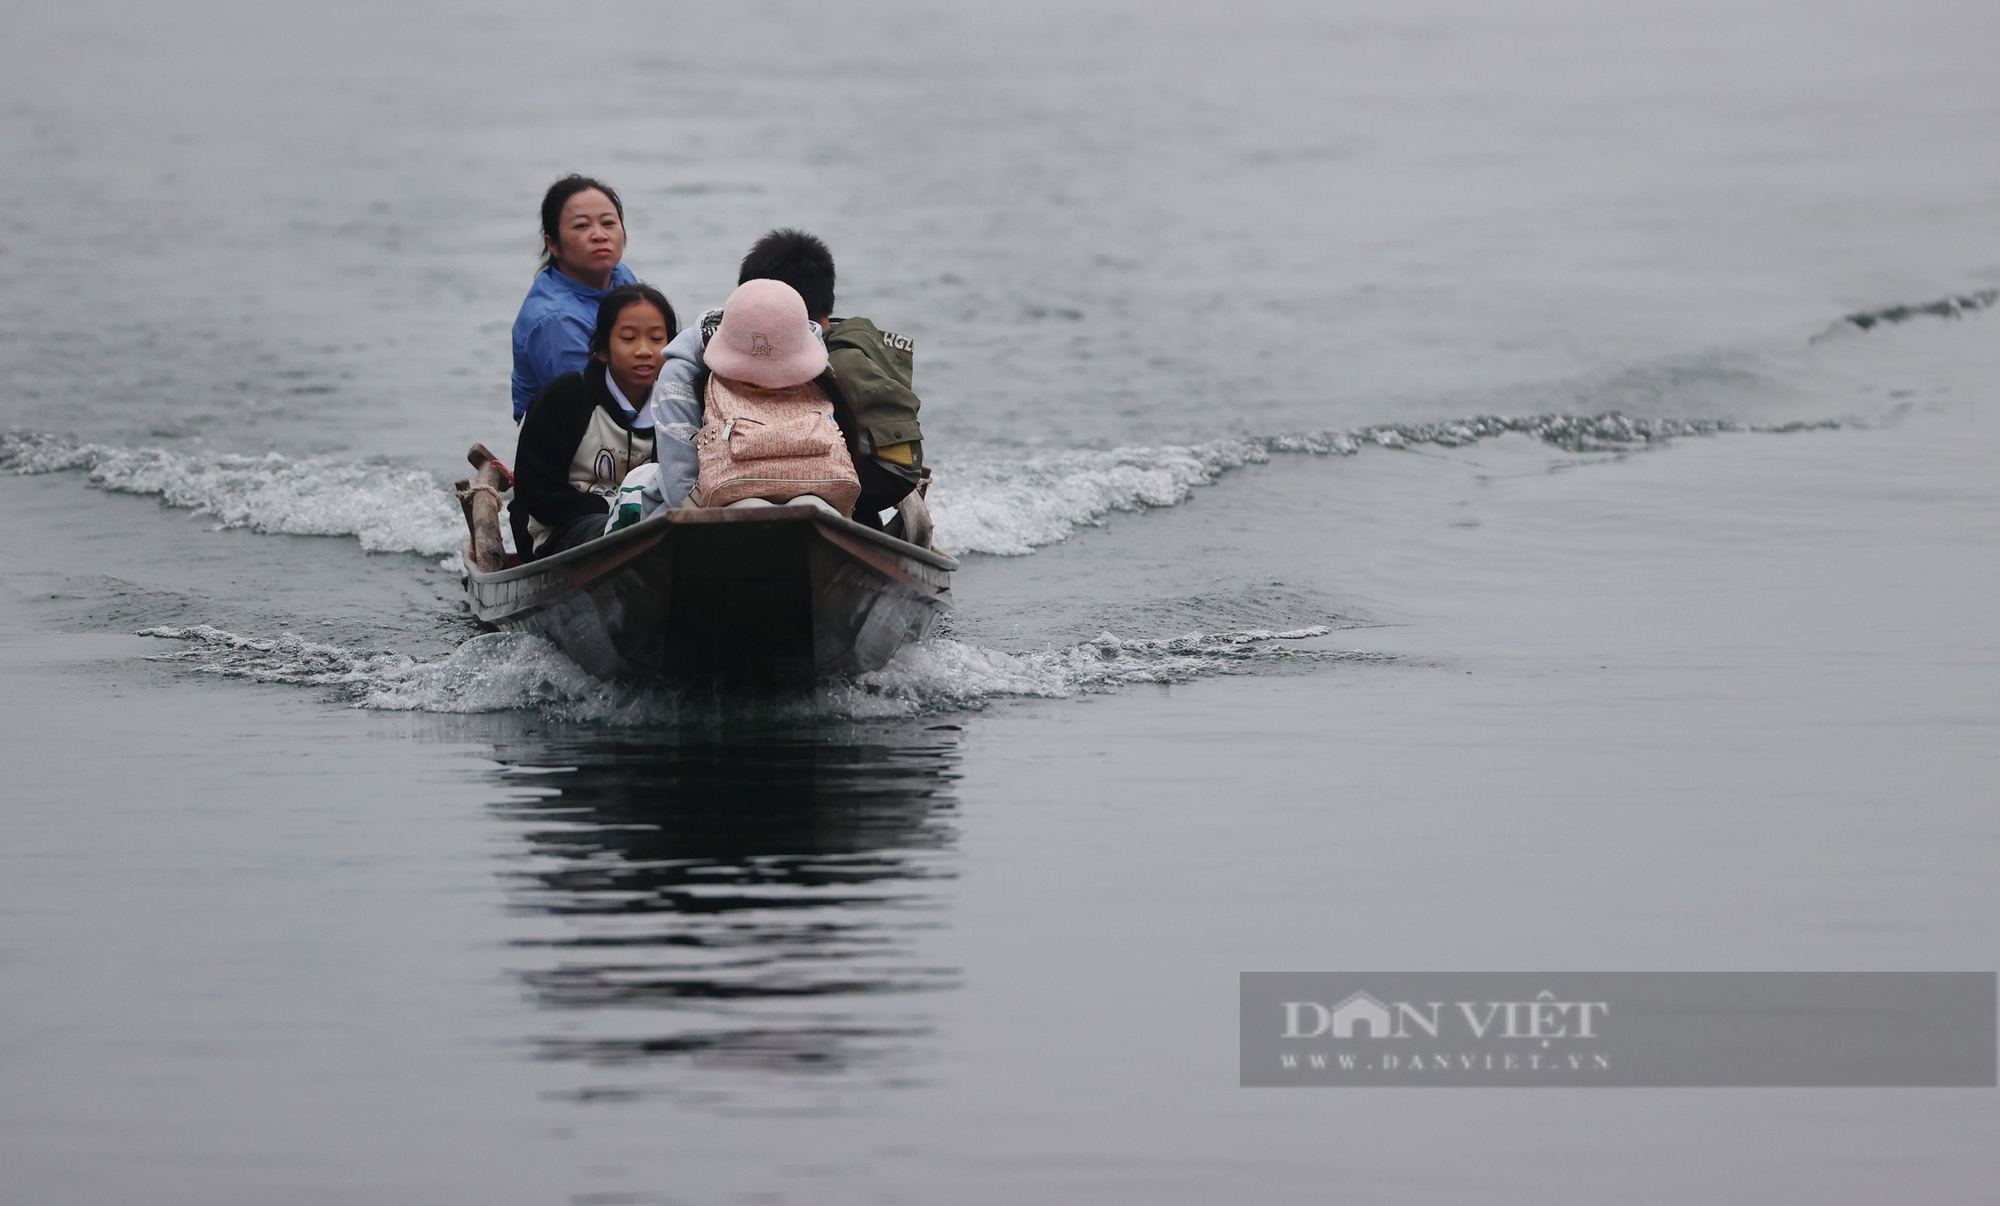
{"points": [[770, 431]]}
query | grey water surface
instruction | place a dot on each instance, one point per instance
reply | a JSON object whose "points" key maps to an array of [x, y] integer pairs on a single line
{"points": [[1424, 507]]}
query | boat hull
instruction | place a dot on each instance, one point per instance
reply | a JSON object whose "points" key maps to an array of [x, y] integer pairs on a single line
{"points": [[767, 596]]}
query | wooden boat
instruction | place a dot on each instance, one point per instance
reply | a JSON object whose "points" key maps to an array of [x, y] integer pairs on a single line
{"points": [[762, 597]]}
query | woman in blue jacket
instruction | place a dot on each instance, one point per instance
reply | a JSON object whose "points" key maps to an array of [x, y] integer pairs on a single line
{"points": [[583, 249]]}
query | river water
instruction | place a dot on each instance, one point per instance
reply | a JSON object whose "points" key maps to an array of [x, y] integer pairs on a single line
{"points": [[1424, 506]]}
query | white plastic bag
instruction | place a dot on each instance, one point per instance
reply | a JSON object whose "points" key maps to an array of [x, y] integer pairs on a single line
{"points": [[639, 498]]}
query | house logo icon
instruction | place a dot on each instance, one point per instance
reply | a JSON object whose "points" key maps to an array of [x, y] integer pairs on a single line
{"points": [[1363, 1010]]}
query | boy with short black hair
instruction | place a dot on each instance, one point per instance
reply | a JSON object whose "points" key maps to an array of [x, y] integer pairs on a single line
{"points": [[875, 367]]}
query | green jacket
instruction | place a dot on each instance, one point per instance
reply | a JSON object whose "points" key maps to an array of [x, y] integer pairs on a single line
{"points": [[876, 367]]}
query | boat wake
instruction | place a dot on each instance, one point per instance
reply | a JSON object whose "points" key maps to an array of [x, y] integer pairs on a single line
{"points": [[1956, 306], [1012, 507], [389, 508], [997, 503], [1006, 506], [506, 671]]}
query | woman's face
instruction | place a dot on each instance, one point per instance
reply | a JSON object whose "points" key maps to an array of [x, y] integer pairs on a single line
{"points": [[590, 238], [637, 348]]}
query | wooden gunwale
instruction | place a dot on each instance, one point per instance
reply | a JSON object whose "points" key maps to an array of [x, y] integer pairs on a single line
{"points": [[653, 530], [554, 577]]}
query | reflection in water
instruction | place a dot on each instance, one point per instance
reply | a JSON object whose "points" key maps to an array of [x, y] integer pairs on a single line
{"points": [[732, 903]]}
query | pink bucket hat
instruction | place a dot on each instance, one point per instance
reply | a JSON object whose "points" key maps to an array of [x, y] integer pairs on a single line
{"points": [[765, 337]]}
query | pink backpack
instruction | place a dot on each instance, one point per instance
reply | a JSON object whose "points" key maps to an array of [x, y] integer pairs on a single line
{"points": [[774, 444]]}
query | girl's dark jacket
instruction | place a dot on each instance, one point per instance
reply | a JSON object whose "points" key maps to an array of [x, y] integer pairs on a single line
{"points": [[576, 445]]}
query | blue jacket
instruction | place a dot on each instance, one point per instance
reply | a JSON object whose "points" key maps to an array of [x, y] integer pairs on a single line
{"points": [[552, 332]]}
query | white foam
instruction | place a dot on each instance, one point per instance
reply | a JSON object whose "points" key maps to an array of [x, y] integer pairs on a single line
{"points": [[500, 671], [505, 671], [492, 672], [1012, 507], [391, 509], [944, 674]]}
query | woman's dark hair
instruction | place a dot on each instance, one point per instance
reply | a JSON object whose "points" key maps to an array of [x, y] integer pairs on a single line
{"points": [[798, 259], [558, 196], [614, 304]]}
